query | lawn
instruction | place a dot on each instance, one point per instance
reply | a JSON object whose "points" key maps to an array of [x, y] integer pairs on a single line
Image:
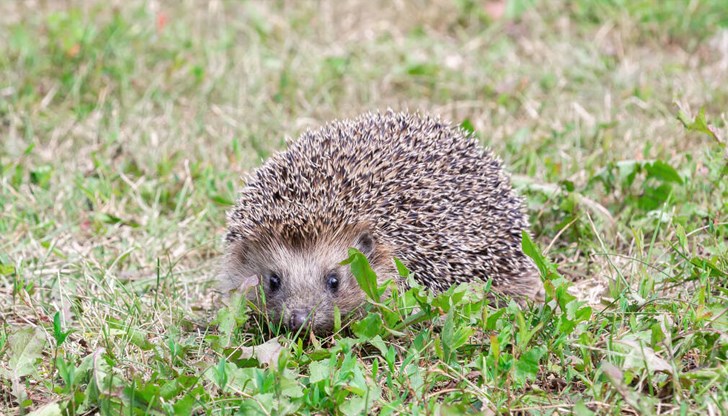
{"points": [[126, 128]]}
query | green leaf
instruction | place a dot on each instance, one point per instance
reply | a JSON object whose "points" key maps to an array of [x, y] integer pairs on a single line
{"points": [[185, 405], [530, 249], [656, 335], [291, 388], [564, 298], [580, 409], [353, 406], [337, 64], [368, 327], [41, 176], [337, 319], [681, 236], [662, 171], [379, 344], [401, 268], [583, 314], [709, 266], [58, 333], [698, 124], [492, 319], [527, 364], [363, 273], [566, 325], [318, 371], [6, 269], [222, 200], [219, 374], [170, 389], [107, 218], [232, 316], [422, 69], [467, 125], [453, 337]]}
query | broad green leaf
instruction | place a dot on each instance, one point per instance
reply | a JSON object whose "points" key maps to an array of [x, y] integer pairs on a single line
{"points": [[318, 371], [662, 171], [368, 327], [530, 249], [219, 374], [363, 273], [580, 409], [527, 364], [401, 268], [453, 337], [291, 388], [230, 317], [353, 406], [185, 405]]}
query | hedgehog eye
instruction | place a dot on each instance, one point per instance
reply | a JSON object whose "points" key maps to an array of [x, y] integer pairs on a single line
{"points": [[332, 281], [274, 282]]}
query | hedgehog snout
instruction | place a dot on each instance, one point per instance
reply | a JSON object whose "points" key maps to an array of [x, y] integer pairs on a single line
{"points": [[298, 317]]}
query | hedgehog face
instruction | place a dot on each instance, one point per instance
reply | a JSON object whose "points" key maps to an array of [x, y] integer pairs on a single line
{"points": [[302, 286]]}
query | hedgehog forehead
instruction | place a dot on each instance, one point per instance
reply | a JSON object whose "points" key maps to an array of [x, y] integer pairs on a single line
{"points": [[317, 257], [293, 229], [306, 262], [293, 234]]}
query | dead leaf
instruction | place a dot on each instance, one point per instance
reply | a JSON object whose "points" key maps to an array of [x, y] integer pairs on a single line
{"points": [[266, 353], [616, 378], [25, 348], [50, 409], [640, 356]]}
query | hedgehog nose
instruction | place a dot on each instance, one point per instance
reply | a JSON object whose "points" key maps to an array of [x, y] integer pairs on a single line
{"points": [[298, 319]]}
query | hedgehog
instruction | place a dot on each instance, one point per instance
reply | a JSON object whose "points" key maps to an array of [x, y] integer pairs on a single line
{"points": [[394, 184]]}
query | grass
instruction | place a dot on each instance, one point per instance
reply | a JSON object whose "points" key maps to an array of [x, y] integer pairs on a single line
{"points": [[125, 129]]}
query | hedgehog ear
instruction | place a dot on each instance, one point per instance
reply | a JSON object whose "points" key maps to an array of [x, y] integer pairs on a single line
{"points": [[234, 272], [365, 243]]}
